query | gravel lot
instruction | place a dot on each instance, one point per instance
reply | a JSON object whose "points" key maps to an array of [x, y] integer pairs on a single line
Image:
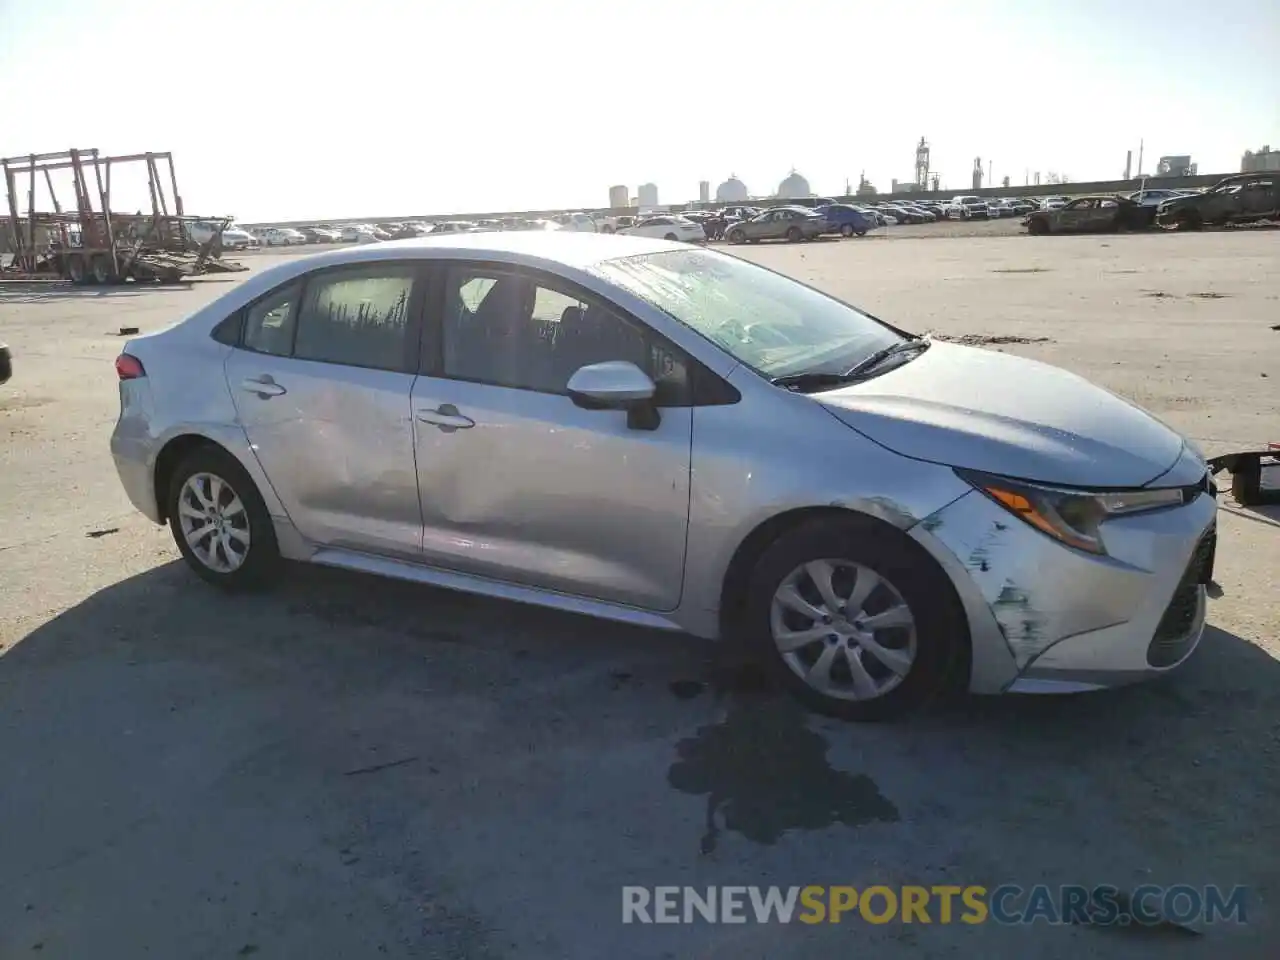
{"points": [[349, 767]]}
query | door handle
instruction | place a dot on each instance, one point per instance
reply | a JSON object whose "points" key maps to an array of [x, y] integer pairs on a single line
{"points": [[447, 418], [264, 386]]}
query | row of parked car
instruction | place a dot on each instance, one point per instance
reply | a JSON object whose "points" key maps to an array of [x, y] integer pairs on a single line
{"points": [[741, 223]]}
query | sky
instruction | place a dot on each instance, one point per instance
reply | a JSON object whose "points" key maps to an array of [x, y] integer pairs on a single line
{"points": [[284, 110]]}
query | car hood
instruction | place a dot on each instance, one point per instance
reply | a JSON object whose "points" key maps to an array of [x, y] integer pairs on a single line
{"points": [[989, 411]]}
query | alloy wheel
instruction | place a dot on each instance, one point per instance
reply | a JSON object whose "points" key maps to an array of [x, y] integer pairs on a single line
{"points": [[843, 629], [215, 523]]}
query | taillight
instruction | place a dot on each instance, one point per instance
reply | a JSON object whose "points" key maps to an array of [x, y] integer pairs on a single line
{"points": [[129, 367]]}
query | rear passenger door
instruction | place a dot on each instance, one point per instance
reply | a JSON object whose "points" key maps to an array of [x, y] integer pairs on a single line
{"points": [[321, 379]]}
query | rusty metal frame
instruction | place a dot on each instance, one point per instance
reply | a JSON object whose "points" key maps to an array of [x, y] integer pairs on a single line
{"points": [[98, 228]]}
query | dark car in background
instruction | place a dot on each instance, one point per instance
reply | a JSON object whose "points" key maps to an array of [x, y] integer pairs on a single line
{"points": [[780, 223], [1243, 198], [847, 220], [1098, 214]]}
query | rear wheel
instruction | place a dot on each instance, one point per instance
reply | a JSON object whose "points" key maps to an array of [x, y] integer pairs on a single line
{"points": [[670, 236], [794, 235], [737, 236], [1038, 226], [76, 269], [854, 619], [1189, 220], [846, 230], [102, 272], [219, 522]]}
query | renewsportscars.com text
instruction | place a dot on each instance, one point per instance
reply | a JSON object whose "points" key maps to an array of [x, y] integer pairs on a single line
{"points": [[1007, 904]]}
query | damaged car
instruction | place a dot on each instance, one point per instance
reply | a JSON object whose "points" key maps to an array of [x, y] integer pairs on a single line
{"points": [[1100, 214], [1244, 198], [677, 439]]}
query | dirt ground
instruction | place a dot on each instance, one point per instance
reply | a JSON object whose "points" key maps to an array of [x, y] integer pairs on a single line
{"points": [[348, 767]]}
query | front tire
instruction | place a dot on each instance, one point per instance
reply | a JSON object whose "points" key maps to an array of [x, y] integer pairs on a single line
{"points": [[219, 521], [846, 230], [737, 236], [670, 236], [854, 619], [794, 235]]}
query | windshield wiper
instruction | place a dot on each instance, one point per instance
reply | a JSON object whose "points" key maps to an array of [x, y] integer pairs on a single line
{"points": [[802, 382], [815, 380], [880, 356]]}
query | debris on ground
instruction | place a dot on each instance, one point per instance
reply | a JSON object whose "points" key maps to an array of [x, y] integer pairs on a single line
{"points": [[983, 340], [380, 766]]}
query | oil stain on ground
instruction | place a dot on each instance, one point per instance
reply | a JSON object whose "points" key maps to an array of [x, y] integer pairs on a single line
{"points": [[764, 773]]}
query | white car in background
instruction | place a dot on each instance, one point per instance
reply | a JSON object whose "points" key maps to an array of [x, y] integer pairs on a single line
{"points": [[456, 226], [972, 207], [282, 237], [667, 227], [233, 237], [581, 222], [1053, 203], [360, 233]]}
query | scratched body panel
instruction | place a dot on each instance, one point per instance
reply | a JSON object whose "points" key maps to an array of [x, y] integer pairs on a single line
{"points": [[1043, 595]]}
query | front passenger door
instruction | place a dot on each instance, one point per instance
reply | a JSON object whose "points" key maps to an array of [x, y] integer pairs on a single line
{"points": [[519, 484]]}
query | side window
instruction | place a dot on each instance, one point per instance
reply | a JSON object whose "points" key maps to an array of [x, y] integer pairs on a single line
{"points": [[534, 336], [357, 317], [269, 323]]}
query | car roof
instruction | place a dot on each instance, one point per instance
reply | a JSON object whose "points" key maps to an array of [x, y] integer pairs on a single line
{"points": [[547, 248]]}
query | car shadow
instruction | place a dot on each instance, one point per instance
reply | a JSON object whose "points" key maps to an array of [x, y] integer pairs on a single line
{"points": [[165, 700]]}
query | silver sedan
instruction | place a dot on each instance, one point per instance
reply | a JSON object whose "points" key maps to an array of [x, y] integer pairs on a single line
{"points": [[675, 438]]}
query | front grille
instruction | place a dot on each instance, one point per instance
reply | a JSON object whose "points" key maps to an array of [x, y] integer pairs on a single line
{"points": [[1174, 634]]}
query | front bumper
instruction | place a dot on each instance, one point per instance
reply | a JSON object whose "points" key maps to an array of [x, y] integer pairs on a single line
{"points": [[1057, 619]]}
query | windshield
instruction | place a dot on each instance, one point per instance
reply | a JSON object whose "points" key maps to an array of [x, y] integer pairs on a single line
{"points": [[772, 324]]}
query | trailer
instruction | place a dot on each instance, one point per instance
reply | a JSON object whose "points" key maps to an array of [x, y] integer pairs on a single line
{"points": [[87, 245], [1255, 474]]}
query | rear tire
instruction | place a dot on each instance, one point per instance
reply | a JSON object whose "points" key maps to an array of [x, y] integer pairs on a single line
{"points": [[1190, 220], [1038, 227], [76, 269], [102, 272], [920, 641], [670, 236], [846, 230], [737, 236], [794, 235], [220, 522]]}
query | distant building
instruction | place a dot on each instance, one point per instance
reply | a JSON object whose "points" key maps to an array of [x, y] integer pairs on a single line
{"points": [[732, 190], [618, 196], [1179, 165], [704, 191], [647, 194], [904, 186], [1264, 159], [794, 187]]}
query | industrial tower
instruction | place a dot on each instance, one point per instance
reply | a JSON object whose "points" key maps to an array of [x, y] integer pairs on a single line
{"points": [[922, 165]]}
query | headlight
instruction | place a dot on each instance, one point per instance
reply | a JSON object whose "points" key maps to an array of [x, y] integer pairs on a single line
{"points": [[1073, 517]]}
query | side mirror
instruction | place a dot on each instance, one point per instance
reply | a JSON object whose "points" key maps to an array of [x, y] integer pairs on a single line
{"points": [[616, 385]]}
